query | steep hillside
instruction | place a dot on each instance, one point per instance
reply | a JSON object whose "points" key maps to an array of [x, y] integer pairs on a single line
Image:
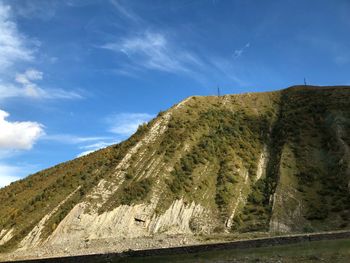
{"points": [[262, 162]]}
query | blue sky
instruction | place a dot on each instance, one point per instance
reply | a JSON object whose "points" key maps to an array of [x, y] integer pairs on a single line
{"points": [[77, 75]]}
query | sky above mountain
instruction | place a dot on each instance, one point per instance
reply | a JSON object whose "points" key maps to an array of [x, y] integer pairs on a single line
{"points": [[78, 75]]}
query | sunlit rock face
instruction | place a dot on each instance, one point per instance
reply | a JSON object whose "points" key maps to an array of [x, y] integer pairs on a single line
{"points": [[274, 162]]}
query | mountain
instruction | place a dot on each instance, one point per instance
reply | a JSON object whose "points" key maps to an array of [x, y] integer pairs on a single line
{"points": [[273, 162]]}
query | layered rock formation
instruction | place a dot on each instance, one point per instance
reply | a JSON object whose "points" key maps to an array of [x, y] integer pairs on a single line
{"points": [[275, 162]]}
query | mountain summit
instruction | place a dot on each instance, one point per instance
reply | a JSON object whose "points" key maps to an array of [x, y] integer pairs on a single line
{"points": [[273, 162]]}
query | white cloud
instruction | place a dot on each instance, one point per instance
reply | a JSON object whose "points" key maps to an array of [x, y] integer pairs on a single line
{"points": [[15, 48], [93, 147], [122, 124], [238, 52], [8, 174], [85, 153], [92, 143], [96, 146], [154, 51], [13, 45], [42, 9], [29, 88], [18, 135], [87, 144], [28, 76], [127, 123], [33, 91], [72, 139], [151, 50], [125, 12]]}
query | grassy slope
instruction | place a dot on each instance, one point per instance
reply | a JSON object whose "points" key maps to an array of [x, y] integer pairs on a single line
{"points": [[25, 202], [210, 145], [315, 159]]}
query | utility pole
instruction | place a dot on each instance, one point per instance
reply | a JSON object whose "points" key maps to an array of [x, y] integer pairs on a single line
{"points": [[305, 82], [219, 92]]}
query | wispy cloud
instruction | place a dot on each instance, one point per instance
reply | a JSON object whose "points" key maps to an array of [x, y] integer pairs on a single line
{"points": [[152, 47], [28, 76], [87, 144], [122, 125], [96, 146], [13, 45], [8, 174], [16, 48], [85, 153], [27, 87], [73, 139], [238, 52], [126, 124], [127, 13], [18, 135], [153, 50], [42, 9]]}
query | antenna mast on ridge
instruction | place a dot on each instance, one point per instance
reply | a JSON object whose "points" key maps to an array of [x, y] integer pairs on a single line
{"points": [[219, 92], [305, 82]]}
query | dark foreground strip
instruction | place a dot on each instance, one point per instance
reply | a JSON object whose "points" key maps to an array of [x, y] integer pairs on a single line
{"points": [[255, 243]]}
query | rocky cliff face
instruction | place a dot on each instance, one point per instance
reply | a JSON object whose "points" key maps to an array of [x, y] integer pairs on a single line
{"points": [[266, 162]]}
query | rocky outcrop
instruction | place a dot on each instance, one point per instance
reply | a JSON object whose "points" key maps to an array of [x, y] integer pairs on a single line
{"points": [[5, 235], [340, 133], [84, 222], [287, 206], [207, 165], [34, 237], [176, 219], [262, 163], [125, 222], [287, 211]]}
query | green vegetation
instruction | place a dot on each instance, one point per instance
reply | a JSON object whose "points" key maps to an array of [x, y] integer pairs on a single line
{"points": [[313, 118], [209, 154], [228, 140], [256, 213], [24, 203], [133, 192], [308, 121]]}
